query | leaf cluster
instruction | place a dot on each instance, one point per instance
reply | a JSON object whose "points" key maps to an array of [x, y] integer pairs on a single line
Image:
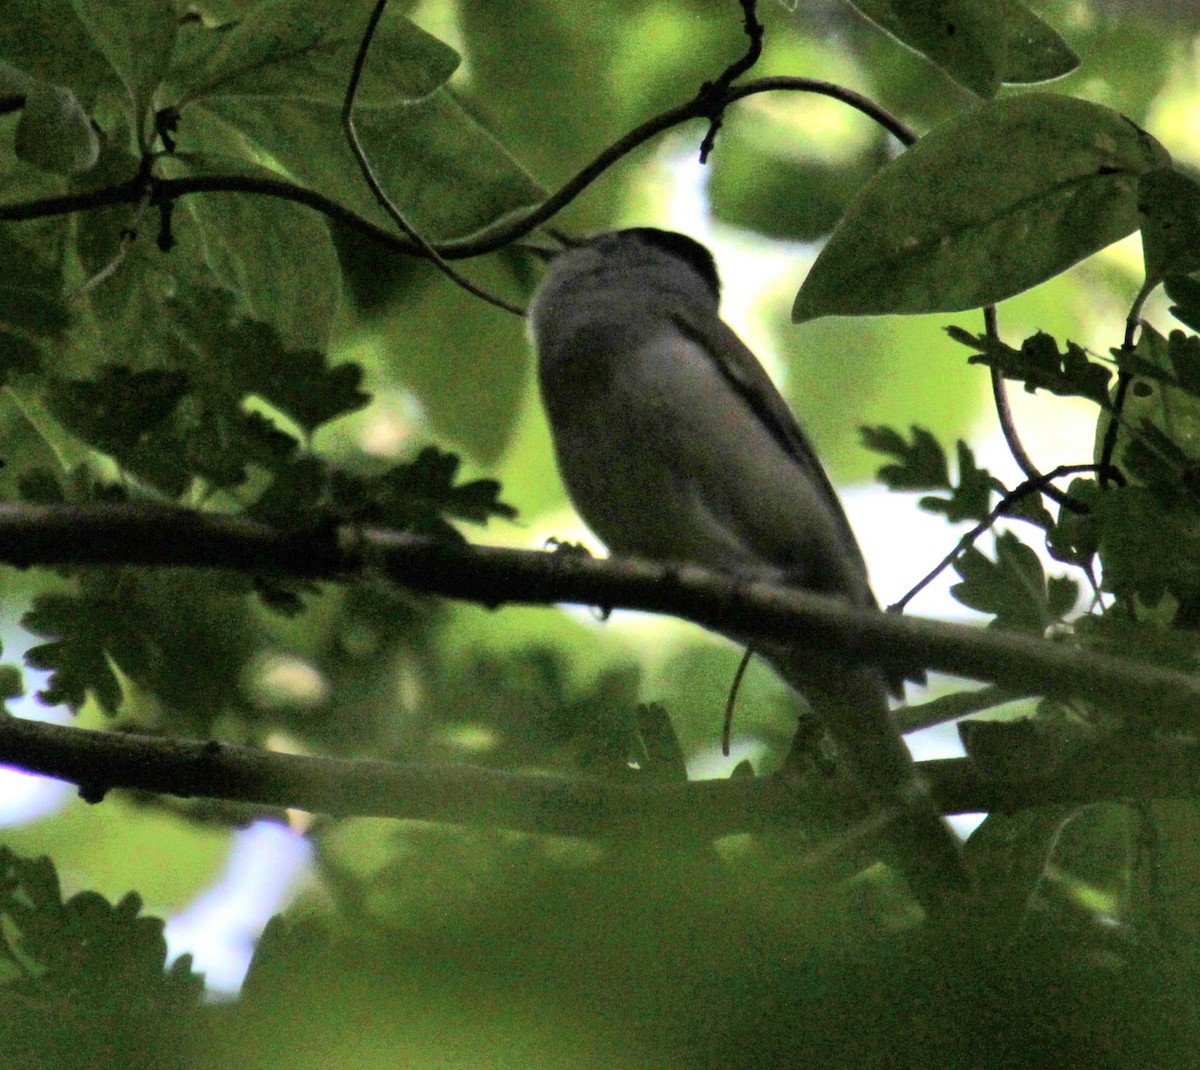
{"points": [[179, 324]]}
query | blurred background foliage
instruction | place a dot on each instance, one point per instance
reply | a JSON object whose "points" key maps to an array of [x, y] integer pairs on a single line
{"points": [[429, 946]]}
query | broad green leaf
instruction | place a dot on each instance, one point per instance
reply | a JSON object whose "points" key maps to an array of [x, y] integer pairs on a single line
{"points": [[31, 302], [137, 40], [979, 43], [419, 346], [54, 133], [1169, 203], [994, 202], [438, 165], [305, 49], [1159, 439], [277, 256], [1150, 547], [48, 41]]}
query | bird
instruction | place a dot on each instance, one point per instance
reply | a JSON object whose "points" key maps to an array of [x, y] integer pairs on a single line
{"points": [[674, 445]]}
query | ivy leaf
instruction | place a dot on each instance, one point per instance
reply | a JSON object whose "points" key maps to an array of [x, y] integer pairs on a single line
{"points": [[922, 465], [1074, 538], [1040, 365], [420, 495], [85, 946], [1030, 508], [1013, 587], [987, 205]]}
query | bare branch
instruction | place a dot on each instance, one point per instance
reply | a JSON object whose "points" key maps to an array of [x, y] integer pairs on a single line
{"points": [[492, 576], [102, 761]]}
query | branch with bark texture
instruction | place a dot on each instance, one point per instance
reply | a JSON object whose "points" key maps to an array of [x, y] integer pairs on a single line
{"points": [[491, 576], [664, 809], [164, 537]]}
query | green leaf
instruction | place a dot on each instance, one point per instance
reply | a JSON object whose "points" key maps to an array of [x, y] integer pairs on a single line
{"points": [[54, 133], [76, 657], [137, 41], [1149, 546], [1012, 587], [47, 41], [992, 203], [1169, 203], [1173, 361], [1074, 538], [660, 754], [1040, 365], [1159, 439], [922, 464], [12, 682], [1030, 508], [116, 411], [978, 43], [231, 357], [33, 311], [305, 48], [85, 947], [971, 497], [1184, 290], [277, 256], [439, 166]]}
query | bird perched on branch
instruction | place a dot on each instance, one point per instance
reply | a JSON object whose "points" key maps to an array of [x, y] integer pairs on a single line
{"points": [[675, 446]]}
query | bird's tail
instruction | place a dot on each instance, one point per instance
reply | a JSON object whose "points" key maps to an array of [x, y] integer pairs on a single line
{"points": [[851, 703]]}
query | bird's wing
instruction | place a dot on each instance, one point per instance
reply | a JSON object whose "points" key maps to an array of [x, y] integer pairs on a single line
{"points": [[750, 380]]}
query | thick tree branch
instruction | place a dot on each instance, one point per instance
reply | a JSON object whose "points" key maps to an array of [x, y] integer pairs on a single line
{"points": [[666, 809], [144, 535]]}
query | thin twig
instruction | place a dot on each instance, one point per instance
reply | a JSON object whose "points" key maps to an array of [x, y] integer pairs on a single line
{"points": [[128, 237], [1008, 427], [1030, 486], [716, 94], [1124, 378], [487, 239], [385, 202], [919, 716], [731, 701]]}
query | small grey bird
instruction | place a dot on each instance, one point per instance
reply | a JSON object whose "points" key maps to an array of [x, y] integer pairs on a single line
{"points": [[675, 446]]}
